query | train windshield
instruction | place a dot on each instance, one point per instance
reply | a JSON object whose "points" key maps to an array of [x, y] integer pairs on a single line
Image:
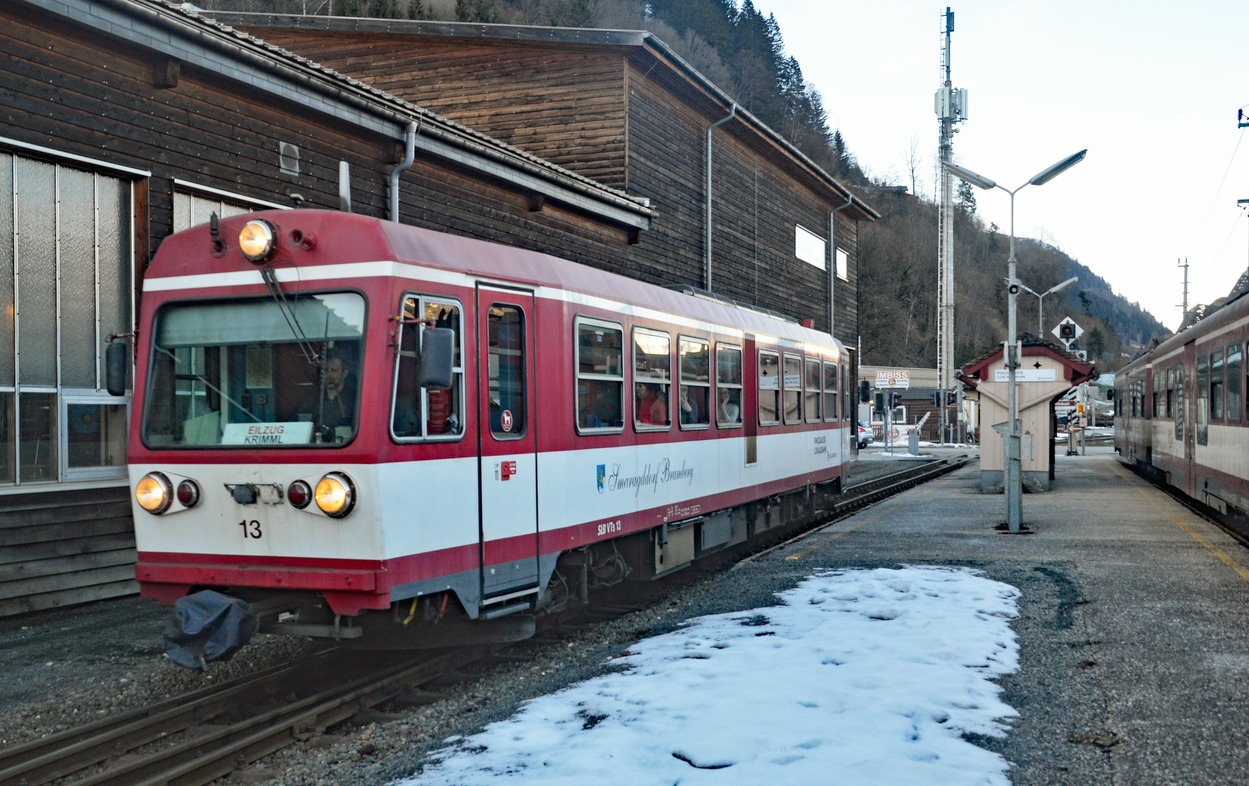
{"points": [[255, 373]]}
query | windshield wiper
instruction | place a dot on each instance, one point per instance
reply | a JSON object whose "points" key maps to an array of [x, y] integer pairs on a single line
{"points": [[288, 313]]}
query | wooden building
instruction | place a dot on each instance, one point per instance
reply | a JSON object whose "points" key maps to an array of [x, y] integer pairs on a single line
{"points": [[125, 120], [623, 109]]}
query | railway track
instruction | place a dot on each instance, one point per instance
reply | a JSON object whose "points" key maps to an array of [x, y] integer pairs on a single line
{"points": [[196, 738]]}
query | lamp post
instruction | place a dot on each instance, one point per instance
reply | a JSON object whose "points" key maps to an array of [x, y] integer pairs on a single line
{"points": [[1013, 475], [1040, 318]]}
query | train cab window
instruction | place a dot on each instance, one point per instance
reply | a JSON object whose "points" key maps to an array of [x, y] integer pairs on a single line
{"points": [[813, 402], [1216, 385], [652, 379], [791, 383], [506, 385], [255, 373], [600, 376], [769, 388], [428, 413], [728, 386], [1235, 380], [693, 395]]}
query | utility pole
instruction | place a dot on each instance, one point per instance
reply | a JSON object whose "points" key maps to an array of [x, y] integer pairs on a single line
{"points": [[951, 107], [1184, 305]]}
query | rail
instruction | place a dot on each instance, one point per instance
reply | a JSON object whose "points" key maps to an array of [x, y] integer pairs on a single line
{"points": [[194, 739]]}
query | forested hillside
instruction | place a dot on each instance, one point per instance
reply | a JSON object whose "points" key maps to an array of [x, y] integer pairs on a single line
{"points": [[742, 50]]}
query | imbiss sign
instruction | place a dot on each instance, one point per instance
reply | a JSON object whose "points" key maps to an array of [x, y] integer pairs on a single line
{"points": [[897, 378]]}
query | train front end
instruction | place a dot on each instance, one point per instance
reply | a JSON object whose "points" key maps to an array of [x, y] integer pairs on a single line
{"points": [[254, 485]]}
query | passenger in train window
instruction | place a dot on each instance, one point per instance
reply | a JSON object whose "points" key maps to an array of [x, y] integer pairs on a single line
{"points": [[728, 412], [651, 408], [693, 408]]}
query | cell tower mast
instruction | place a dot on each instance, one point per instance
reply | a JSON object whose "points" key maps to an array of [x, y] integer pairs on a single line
{"points": [[951, 106]]}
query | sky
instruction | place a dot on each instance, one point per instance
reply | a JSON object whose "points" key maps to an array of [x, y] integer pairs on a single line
{"points": [[1150, 88], [860, 676]]}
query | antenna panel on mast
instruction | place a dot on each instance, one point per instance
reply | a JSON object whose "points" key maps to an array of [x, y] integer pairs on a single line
{"points": [[951, 104]]}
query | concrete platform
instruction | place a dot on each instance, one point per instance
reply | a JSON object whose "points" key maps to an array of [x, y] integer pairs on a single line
{"points": [[1134, 619]]}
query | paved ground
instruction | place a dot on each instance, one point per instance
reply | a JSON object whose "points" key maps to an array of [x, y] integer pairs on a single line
{"points": [[1133, 631]]}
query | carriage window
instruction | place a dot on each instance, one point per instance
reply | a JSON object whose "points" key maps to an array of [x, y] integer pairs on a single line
{"points": [[1178, 411], [1203, 399], [792, 385], [769, 388], [1235, 378], [652, 378], [1216, 385], [728, 386], [429, 413], [813, 400], [693, 397], [830, 391], [1170, 393], [600, 376]]}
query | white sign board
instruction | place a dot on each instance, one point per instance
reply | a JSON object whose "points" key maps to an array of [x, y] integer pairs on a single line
{"points": [[893, 378], [1026, 375], [293, 433]]}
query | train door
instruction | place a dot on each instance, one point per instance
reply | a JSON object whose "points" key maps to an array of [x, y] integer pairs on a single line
{"points": [[1187, 431], [508, 472]]}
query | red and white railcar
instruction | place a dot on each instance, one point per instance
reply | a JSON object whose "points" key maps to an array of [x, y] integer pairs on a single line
{"points": [[497, 440], [1182, 414]]}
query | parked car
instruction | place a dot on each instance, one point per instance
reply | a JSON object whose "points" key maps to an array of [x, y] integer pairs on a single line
{"points": [[865, 435]]}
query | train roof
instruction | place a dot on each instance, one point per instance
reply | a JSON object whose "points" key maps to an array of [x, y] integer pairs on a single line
{"points": [[344, 238], [1235, 308]]}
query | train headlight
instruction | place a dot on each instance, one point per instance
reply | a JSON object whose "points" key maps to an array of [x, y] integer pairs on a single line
{"points": [[334, 495], [154, 493], [258, 240]]}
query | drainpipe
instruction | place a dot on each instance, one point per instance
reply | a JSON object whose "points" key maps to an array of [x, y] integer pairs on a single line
{"points": [[400, 168], [707, 244], [832, 260]]}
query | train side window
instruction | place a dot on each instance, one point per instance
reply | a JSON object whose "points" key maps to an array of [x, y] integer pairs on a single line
{"points": [[600, 377], [652, 379], [830, 391], [769, 388], [728, 386], [693, 397], [1235, 379], [792, 385], [1216, 385], [509, 403], [1178, 411], [429, 413], [1170, 392], [813, 398], [1203, 399]]}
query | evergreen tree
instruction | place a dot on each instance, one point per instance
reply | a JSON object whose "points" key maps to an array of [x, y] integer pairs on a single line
{"points": [[484, 11], [966, 198]]}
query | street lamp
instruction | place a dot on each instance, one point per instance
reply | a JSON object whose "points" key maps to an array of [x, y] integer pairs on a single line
{"points": [[1014, 475], [1040, 318]]}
